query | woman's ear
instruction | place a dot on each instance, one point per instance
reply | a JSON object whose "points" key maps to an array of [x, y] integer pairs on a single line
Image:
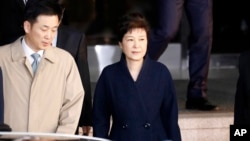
{"points": [[120, 44]]}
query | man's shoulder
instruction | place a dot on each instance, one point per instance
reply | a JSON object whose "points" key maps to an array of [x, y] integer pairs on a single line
{"points": [[61, 52], [59, 56], [70, 30], [5, 48]]}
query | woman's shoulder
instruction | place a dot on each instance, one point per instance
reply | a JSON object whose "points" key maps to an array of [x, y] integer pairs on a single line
{"points": [[111, 68], [157, 65]]}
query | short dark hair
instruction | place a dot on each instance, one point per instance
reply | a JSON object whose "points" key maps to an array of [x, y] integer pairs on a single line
{"points": [[129, 21], [34, 8]]}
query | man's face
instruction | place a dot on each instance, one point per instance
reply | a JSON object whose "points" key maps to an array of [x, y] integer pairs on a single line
{"points": [[40, 34]]}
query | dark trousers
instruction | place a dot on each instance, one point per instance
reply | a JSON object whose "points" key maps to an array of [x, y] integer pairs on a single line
{"points": [[199, 15]]}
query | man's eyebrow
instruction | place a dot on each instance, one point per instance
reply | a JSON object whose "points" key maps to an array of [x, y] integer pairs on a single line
{"points": [[49, 27]]}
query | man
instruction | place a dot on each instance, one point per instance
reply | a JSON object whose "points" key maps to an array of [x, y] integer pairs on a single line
{"points": [[44, 93], [166, 19], [73, 41]]}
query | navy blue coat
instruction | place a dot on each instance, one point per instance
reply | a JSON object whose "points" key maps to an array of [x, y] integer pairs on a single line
{"points": [[141, 110]]}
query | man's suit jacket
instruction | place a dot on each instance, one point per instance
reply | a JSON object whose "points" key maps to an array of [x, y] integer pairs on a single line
{"points": [[75, 43], [242, 96], [11, 16]]}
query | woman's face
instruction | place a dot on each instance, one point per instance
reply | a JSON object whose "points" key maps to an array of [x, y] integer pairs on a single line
{"points": [[134, 44]]}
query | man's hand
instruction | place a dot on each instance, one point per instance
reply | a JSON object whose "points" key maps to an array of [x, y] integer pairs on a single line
{"points": [[86, 130]]}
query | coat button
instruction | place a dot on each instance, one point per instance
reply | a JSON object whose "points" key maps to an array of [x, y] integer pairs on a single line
{"points": [[124, 126], [147, 125]]}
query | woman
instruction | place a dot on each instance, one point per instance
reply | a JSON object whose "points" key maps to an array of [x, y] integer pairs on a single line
{"points": [[137, 92]]}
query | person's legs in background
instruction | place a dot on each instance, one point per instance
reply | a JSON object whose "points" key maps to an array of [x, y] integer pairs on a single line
{"points": [[164, 26], [199, 14]]}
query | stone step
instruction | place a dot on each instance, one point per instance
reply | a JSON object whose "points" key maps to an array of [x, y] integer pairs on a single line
{"points": [[202, 126], [205, 126], [209, 125]]}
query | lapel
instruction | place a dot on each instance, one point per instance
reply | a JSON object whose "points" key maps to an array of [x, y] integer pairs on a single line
{"points": [[140, 83], [17, 54], [48, 57], [137, 86]]}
